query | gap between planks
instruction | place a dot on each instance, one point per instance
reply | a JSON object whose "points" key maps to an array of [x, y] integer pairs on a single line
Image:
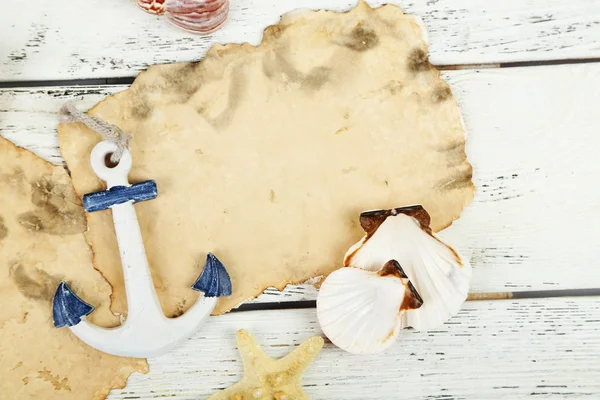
{"points": [[536, 294], [126, 80]]}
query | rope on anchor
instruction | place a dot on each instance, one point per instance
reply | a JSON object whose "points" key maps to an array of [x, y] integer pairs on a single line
{"points": [[69, 113]]}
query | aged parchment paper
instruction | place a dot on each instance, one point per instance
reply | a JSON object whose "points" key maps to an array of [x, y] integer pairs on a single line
{"points": [[267, 155], [41, 243]]}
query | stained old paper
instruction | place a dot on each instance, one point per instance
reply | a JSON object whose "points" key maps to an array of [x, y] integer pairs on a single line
{"points": [[41, 243], [267, 155]]}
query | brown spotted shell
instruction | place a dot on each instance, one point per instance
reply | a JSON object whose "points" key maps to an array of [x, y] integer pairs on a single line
{"points": [[196, 16], [151, 6]]}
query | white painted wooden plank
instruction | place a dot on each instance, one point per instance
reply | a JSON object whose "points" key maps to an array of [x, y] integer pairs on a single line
{"points": [[291, 293], [533, 138], [40, 40], [547, 348]]}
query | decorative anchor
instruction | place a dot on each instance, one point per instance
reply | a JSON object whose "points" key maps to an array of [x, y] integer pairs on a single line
{"points": [[146, 332]]}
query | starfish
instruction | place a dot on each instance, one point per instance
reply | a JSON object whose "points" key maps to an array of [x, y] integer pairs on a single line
{"points": [[268, 379]]}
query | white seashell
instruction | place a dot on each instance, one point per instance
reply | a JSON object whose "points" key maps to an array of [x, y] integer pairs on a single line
{"points": [[360, 311], [436, 270]]}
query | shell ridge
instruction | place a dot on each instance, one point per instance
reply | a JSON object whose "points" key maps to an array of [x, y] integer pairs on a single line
{"points": [[358, 309]]}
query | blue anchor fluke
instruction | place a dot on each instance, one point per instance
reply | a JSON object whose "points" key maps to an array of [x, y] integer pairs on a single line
{"points": [[67, 308], [142, 191], [214, 280]]}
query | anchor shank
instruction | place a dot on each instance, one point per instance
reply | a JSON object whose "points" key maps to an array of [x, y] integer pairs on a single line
{"points": [[142, 300]]}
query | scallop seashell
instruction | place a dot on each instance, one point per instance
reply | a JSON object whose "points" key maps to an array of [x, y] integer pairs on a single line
{"points": [[196, 16], [360, 311], [436, 270]]}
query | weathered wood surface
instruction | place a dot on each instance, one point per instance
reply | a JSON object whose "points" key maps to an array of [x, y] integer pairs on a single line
{"points": [[533, 138], [41, 40], [547, 348]]}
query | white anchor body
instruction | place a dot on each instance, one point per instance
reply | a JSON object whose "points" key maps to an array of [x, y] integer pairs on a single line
{"points": [[146, 332]]}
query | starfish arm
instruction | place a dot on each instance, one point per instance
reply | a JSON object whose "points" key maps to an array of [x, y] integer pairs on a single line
{"points": [[248, 347], [298, 360], [256, 362]]}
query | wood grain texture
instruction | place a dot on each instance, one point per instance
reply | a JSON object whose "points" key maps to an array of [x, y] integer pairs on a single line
{"points": [[533, 135], [533, 139], [547, 348], [112, 38]]}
